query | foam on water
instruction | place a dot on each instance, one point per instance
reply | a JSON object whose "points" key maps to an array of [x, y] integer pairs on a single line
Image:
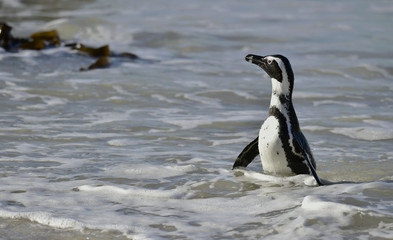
{"points": [[44, 218], [182, 211], [150, 172]]}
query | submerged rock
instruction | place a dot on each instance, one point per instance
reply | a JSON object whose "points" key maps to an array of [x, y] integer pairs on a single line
{"points": [[5, 36]]}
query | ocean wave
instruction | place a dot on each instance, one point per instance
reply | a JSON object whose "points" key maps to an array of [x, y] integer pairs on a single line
{"points": [[367, 71], [365, 133], [382, 130], [343, 103]]}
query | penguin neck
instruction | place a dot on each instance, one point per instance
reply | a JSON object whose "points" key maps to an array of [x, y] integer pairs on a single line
{"points": [[281, 100], [281, 95]]}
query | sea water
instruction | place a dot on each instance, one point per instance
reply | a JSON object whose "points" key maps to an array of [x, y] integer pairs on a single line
{"points": [[144, 149]]}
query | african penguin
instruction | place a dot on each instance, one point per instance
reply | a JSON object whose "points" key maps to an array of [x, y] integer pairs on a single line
{"points": [[281, 145]]}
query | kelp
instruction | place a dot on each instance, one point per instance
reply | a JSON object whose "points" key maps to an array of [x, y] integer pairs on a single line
{"points": [[102, 62], [103, 51], [49, 39]]}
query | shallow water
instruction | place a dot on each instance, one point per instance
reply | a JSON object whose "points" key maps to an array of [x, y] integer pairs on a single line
{"points": [[144, 150]]}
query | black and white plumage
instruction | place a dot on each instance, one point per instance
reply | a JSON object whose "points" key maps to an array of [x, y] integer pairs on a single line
{"points": [[281, 144]]}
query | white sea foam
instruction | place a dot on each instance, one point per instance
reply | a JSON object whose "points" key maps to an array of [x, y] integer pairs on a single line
{"points": [[298, 210], [117, 193], [141, 171], [44, 218], [298, 179], [316, 204]]}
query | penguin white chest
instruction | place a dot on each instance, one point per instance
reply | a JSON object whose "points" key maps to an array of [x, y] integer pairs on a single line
{"points": [[271, 148]]}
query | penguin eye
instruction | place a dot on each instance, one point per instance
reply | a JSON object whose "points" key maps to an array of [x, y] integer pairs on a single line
{"points": [[269, 61]]}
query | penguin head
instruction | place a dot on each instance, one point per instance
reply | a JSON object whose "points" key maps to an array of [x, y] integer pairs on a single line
{"points": [[278, 68]]}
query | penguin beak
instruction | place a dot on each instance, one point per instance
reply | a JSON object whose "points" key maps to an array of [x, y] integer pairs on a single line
{"points": [[257, 60]]}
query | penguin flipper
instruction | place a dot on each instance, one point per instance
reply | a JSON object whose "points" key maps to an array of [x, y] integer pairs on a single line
{"points": [[301, 141], [247, 155], [305, 148]]}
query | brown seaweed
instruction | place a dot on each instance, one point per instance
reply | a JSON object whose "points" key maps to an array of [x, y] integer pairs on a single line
{"points": [[49, 39], [102, 62], [103, 51]]}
